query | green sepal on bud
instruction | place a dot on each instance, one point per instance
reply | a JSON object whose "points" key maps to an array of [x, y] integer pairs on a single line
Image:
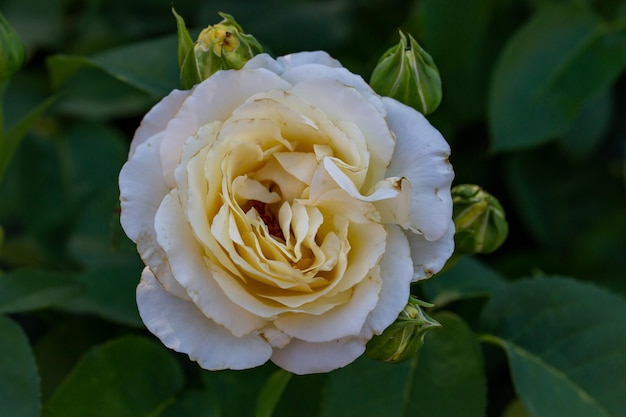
{"points": [[219, 47], [402, 339], [480, 222], [408, 73], [12, 51]]}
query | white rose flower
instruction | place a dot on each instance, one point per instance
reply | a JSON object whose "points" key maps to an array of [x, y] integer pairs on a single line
{"points": [[282, 212]]}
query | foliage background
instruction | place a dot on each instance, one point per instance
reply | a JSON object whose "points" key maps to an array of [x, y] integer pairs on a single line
{"points": [[534, 108]]}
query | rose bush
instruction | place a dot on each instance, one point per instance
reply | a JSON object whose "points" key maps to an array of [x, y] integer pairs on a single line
{"points": [[282, 212]]}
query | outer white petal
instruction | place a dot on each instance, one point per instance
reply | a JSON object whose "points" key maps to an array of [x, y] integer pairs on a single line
{"points": [[157, 118], [307, 58], [421, 155], [396, 270], [183, 328], [316, 71], [430, 256], [142, 189], [301, 357], [190, 270]]}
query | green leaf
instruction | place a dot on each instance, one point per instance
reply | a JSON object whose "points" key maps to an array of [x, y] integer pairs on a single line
{"points": [[31, 289], [19, 381], [56, 357], [109, 293], [128, 377], [548, 71], [468, 278], [148, 66], [445, 379], [441, 26], [590, 126], [13, 138], [228, 388], [271, 392], [192, 403], [566, 344]]}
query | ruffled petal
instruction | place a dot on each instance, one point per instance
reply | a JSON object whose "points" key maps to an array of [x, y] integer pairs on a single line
{"points": [[430, 256], [190, 270], [183, 328], [346, 104], [421, 155], [213, 99], [301, 357], [344, 320]]}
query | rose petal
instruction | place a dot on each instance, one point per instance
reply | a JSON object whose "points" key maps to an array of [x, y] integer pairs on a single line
{"points": [[142, 189], [344, 320], [421, 155], [190, 270], [157, 118], [320, 71], [213, 99], [183, 328], [430, 256], [396, 271], [346, 104], [300, 357]]}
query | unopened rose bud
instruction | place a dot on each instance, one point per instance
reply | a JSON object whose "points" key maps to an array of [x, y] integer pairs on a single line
{"points": [[219, 47], [11, 51], [403, 339], [407, 73], [479, 219]]}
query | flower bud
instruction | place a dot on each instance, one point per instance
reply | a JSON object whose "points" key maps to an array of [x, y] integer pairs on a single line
{"points": [[11, 51], [221, 46], [479, 219], [403, 339], [407, 73]]}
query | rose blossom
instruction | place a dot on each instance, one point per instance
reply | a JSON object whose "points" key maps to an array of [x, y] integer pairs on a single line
{"points": [[282, 211]]}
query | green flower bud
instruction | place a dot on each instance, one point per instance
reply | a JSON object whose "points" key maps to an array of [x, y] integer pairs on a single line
{"points": [[219, 47], [403, 339], [11, 51], [407, 73], [479, 219]]}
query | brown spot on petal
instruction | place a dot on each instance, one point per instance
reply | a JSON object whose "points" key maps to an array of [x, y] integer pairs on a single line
{"points": [[269, 218]]}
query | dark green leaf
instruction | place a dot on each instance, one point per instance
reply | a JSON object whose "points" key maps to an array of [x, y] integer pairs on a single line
{"points": [[548, 71], [566, 344], [445, 379], [130, 376], [468, 278], [590, 126], [235, 391], [148, 66], [441, 26], [16, 134], [19, 381], [24, 290], [109, 293], [56, 357], [192, 403], [270, 394]]}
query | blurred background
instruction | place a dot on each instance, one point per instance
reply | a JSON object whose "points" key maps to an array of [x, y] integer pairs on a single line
{"points": [[534, 108]]}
